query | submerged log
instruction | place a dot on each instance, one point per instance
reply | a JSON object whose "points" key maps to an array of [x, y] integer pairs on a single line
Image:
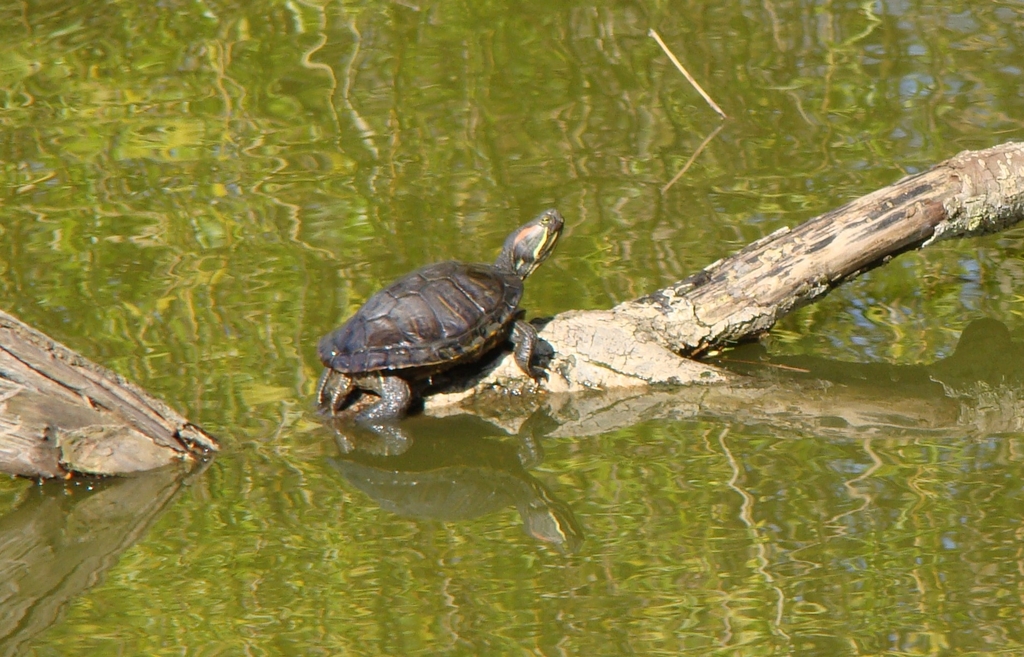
{"points": [[62, 414], [653, 340]]}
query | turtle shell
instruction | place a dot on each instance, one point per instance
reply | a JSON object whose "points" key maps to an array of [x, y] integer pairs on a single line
{"points": [[437, 315]]}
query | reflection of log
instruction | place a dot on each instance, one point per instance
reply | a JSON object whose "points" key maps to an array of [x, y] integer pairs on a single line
{"points": [[60, 413], [838, 412], [978, 390], [55, 544], [645, 341]]}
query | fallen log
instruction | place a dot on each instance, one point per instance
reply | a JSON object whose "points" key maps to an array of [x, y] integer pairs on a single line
{"points": [[652, 340], [62, 414]]}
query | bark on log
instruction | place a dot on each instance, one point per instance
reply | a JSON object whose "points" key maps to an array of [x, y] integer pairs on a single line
{"points": [[61, 414], [651, 340]]}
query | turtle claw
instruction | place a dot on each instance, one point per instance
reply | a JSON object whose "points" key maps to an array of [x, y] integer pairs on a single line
{"points": [[321, 386], [332, 390]]}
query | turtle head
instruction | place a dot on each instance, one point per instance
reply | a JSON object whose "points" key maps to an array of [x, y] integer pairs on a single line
{"points": [[530, 244]]}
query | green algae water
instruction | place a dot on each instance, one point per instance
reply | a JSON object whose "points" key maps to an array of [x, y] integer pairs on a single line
{"points": [[194, 192]]}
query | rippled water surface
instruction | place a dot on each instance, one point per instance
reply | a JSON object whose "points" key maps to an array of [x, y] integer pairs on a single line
{"points": [[194, 192]]}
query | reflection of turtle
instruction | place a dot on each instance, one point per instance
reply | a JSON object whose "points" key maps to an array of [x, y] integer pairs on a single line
{"points": [[432, 319], [450, 475]]}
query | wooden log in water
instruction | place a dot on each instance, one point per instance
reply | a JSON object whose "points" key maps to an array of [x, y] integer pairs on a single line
{"points": [[62, 414], [652, 340], [974, 193]]}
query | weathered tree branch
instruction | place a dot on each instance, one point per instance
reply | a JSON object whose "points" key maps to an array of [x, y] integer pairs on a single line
{"points": [[60, 413], [974, 193], [649, 340]]}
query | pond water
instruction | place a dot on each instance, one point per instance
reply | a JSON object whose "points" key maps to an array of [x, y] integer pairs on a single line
{"points": [[194, 192]]}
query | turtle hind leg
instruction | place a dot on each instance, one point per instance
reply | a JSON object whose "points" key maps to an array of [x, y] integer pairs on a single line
{"points": [[332, 390], [524, 338], [395, 397]]}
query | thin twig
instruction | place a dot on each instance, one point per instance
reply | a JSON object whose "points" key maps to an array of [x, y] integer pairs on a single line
{"points": [[689, 77], [693, 157]]}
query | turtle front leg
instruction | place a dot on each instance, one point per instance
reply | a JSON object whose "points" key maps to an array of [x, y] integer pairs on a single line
{"points": [[394, 398], [524, 339], [332, 389]]}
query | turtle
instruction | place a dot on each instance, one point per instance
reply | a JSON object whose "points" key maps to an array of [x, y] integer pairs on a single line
{"points": [[432, 319]]}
